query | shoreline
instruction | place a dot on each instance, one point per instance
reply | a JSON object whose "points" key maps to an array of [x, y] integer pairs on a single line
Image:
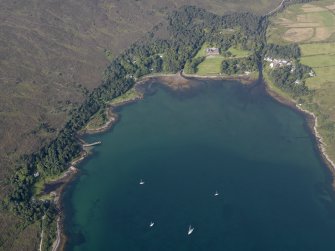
{"points": [[244, 79], [178, 81], [72, 171], [312, 122], [112, 118]]}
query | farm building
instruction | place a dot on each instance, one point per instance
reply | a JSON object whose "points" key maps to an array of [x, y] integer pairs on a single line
{"points": [[212, 51]]}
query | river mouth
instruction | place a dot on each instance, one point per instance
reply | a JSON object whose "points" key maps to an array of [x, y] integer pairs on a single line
{"points": [[219, 136]]}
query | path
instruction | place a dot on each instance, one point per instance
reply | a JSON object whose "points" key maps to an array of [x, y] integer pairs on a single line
{"points": [[277, 8], [92, 144], [57, 241], [42, 235]]}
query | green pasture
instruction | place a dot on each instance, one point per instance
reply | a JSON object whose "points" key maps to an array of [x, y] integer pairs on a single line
{"points": [[317, 49], [239, 53], [211, 66], [319, 60]]}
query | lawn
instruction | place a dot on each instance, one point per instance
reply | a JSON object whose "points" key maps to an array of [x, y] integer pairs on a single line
{"points": [[239, 53], [211, 66], [202, 51]]}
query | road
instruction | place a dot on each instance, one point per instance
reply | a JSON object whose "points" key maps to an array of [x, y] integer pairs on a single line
{"points": [[277, 8]]}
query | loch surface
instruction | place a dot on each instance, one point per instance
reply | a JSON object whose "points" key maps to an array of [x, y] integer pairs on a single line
{"points": [[274, 190]]}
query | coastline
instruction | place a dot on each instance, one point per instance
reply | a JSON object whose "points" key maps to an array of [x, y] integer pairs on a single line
{"points": [[312, 121], [244, 79], [112, 118], [171, 80], [178, 81]]}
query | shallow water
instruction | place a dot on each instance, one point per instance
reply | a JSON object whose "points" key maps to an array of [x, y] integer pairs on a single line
{"points": [[258, 154]]}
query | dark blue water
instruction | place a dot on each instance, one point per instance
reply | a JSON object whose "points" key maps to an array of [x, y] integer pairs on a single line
{"points": [[258, 154]]}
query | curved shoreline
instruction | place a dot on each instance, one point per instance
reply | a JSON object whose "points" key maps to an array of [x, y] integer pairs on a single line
{"points": [[171, 80], [180, 81], [312, 121], [244, 79]]}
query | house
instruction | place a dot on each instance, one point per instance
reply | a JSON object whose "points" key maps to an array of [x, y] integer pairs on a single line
{"points": [[212, 51], [275, 63]]}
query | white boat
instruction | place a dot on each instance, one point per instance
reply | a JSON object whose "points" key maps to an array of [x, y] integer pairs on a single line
{"points": [[216, 193], [152, 224], [141, 182], [190, 230]]}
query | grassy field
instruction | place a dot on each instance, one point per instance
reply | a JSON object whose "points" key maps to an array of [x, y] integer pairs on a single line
{"points": [[322, 60], [211, 66], [304, 23], [202, 51], [318, 52], [238, 53], [317, 61], [51, 54]]}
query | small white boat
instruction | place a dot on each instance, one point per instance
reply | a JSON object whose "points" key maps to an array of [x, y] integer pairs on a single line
{"points": [[141, 182], [216, 193], [190, 230], [152, 224]]}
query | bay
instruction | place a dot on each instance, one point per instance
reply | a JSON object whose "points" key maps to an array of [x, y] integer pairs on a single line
{"points": [[274, 190]]}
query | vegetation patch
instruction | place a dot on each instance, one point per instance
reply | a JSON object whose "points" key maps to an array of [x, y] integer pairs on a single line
{"points": [[130, 95], [303, 23], [203, 64], [240, 53], [202, 51], [97, 120], [211, 66], [317, 49], [298, 34]]}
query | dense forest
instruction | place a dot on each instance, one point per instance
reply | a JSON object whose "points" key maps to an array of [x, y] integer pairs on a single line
{"points": [[291, 81], [239, 65], [189, 28], [291, 51]]}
